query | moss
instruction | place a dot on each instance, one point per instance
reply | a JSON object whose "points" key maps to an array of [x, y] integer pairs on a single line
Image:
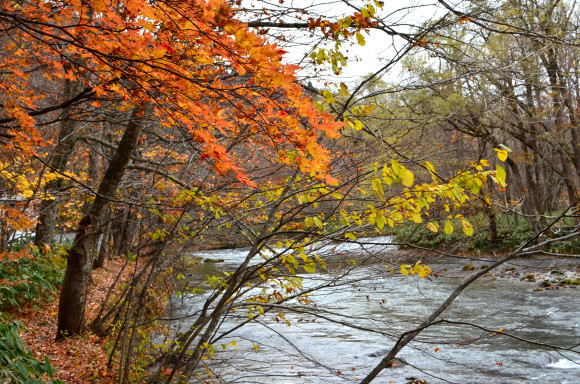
{"points": [[546, 283], [208, 260], [575, 282], [468, 267], [484, 266]]}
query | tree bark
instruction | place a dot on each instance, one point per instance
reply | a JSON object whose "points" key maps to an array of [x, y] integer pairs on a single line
{"points": [[71, 310], [64, 147]]}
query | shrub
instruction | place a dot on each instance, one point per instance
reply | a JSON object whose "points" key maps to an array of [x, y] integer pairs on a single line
{"points": [[17, 363], [28, 276]]}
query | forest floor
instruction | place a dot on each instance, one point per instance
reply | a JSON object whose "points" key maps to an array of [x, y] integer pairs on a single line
{"points": [[78, 359]]}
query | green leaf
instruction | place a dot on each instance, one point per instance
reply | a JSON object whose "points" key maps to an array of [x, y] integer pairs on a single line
{"points": [[310, 267], [309, 222], [475, 186], [318, 222]]}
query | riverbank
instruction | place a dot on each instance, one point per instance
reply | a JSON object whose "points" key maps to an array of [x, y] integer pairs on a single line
{"points": [[541, 272]]}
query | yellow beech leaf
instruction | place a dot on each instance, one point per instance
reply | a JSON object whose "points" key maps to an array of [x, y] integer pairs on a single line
{"points": [[502, 154], [397, 167], [404, 269], [407, 178], [448, 227], [309, 266], [429, 167], [360, 39], [343, 90], [467, 227], [500, 176], [380, 221], [433, 227], [418, 267], [378, 188], [416, 218], [424, 272]]}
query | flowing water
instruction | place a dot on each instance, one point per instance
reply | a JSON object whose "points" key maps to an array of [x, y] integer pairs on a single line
{"points": [[359, 316]]}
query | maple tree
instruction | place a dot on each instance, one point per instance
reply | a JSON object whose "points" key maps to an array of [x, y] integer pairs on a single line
{"points": [[187, 65], [200, 127]]}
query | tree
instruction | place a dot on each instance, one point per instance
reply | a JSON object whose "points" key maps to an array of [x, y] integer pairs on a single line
{"points": [[183, 59]]}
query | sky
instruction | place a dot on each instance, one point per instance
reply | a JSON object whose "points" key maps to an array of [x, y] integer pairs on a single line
{"points": [[379, 49]]}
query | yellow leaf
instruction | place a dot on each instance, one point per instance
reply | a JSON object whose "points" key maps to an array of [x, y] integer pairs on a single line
{"points": [[404, 270], [448, 227], [467, 227], [380, 221], [417, 267], [502, 154], [416, 217], [309, 267], [360, 39], [378, 188], [424, 272], [343, 90], [429, 167], [500, 176], [397, 167], [408, 178], [433, 227]]}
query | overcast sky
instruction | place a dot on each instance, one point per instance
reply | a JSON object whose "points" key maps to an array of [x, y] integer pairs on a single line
{"points": [[379, 49]]}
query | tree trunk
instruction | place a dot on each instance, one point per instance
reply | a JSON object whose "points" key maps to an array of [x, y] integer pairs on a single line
{"points": [[103, 249], [64, 147], [71, 310]]}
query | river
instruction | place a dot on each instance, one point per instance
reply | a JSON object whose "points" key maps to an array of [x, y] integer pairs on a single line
{"points": [[359, 318]]}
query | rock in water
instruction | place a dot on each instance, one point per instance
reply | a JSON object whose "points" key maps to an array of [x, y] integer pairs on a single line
{"points": [[379, 352], [546, 359]]}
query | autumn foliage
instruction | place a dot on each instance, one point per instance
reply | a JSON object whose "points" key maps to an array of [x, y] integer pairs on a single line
{"points": [[198, 67]]}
